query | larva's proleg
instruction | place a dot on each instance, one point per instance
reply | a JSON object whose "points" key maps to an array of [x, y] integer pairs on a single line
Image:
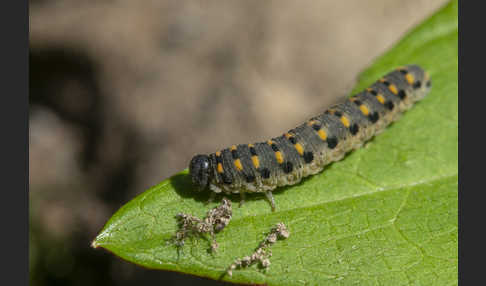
{"points": [[306, 149]]}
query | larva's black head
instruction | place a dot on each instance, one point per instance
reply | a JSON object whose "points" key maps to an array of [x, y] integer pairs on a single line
{"points": [[200, 170]]}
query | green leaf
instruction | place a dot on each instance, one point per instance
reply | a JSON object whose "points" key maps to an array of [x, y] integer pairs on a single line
{"points": [[386, 214]]}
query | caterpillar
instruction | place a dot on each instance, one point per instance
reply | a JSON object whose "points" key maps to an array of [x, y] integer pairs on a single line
{"points": [[308, 148]]}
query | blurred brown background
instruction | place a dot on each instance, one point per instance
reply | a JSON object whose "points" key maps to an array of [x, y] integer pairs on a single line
{"points": [[124, 93]]}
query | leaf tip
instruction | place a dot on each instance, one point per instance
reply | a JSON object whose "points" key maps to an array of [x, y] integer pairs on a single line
{"points": [[94, 244]]}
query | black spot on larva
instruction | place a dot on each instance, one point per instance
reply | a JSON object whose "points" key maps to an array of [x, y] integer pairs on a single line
{"points": [[274, 147], [234, 154], [308, 157], [332, 142], [373, 117], [226, 178], [219, 159], [338, 114], [250, 178], [402, 94], [287, 167], [354, 129], [253, 151], [292, 140], [374, 92], [428, 83], [417, 84], [389, 105], [404, 71], [357, 102], [387, 83], [316, 127], [265, 173]]}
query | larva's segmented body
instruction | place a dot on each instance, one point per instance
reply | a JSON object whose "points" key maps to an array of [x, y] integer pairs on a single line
{"points": [[306, 149]]}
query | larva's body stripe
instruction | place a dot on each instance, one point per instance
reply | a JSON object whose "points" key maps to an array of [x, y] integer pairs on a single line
{"points": [[306, 149]]}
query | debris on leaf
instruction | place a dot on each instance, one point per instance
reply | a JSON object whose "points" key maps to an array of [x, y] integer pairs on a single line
{"points": [[263, 253], [216, 219]]}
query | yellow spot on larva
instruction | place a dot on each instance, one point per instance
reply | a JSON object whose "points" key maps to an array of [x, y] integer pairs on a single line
{"points": [[233, 147], [279, 157], [345, 121], [380, 98], [218, 153], [382, 80], [322, 134], [331, 111], [287, 135], [364, 109], [299, 149], [269, 142], [393, 89], [220, 168], [369, 89], [238, 165], [312, 122], [409, 78], [250, 146], [353, 99], [255, 161]]}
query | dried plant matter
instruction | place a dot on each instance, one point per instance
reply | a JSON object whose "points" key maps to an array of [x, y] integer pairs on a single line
{"points": [[216, 219], [263, 253]]}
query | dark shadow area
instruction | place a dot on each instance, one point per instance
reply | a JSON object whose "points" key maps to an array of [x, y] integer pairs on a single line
{"points": [[65, 81], [182, 184]]}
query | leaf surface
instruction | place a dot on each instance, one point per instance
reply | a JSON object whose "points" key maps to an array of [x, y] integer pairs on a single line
{"points": [[386, 214]]}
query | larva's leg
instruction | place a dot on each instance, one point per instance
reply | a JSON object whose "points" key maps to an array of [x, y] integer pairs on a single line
{"points": [[270, 199], [242, 201]]}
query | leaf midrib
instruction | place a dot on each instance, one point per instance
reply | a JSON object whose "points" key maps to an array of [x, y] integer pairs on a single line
{"points": [[312, 206], [378, 190]]}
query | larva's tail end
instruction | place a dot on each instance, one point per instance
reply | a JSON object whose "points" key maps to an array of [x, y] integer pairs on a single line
{"points": [[419, 79]]}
